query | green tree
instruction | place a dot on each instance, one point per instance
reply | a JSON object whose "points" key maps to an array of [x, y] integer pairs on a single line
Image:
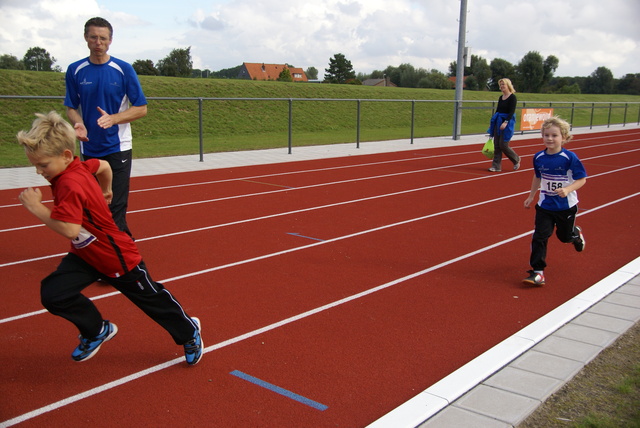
{"points": [[481, 71], [549, 66], [453, 69], [471, 83], [557, 84], [600, 81], [11, 62], [569, 89], [394, 74], [312, 73], [500, 69], [436, 80], [410, 76], [177, 64], [285, 75], [227, 73], [145, 67], [530, 72], [362, 76], [376, 74], [629, 84], [198, 73], [340, 70], [38, 59]]}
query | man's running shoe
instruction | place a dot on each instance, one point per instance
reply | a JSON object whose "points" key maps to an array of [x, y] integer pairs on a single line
{"points": [[89, 347], [193, 348], [579, 243], [534, 278]]}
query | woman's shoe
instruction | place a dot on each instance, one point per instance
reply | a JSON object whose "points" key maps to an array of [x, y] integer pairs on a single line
{"points": [[492, 169]]}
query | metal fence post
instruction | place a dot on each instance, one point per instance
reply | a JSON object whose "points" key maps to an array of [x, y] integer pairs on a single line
{"points": [[413, 115], [573, 109], [358, 125], [200, 125], [456, 120], [290, 123]]}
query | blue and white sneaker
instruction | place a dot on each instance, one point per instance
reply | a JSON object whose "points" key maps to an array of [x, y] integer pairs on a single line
{"points": [[193, 348], [89, 347]]}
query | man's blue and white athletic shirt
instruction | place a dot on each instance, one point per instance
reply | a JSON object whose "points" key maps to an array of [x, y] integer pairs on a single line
{"points": [[110, 86], [556, 171]]}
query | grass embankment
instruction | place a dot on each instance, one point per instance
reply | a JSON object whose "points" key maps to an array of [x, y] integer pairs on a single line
{"points": [[171, 127]]}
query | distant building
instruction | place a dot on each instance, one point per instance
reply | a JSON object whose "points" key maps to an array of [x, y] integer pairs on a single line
{"points": [[452, 79], [257, 71], [379, 82]]}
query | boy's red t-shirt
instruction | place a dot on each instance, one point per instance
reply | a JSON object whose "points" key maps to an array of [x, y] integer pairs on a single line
{"points": [[78, 199]]}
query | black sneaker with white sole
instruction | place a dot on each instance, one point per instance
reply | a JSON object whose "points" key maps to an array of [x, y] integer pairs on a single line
{"points": [[579, 242]]}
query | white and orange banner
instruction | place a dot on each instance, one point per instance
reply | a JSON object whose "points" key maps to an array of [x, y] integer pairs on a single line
{"points": [[532, 118]]}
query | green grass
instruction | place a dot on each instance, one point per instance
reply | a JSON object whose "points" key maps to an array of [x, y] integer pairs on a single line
{"points": [[171, 126], [605, 394], [625, 412]]}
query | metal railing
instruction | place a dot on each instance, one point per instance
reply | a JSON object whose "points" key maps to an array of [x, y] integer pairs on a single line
{"points": [[469, 105], [572, 106]]}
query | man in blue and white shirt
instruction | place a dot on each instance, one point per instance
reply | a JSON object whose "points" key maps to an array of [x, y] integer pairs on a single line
{"points": [[558, 174], [103, 97]]}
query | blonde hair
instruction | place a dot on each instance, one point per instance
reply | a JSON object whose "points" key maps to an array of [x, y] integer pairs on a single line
{"points": [[50, 135], [508, 83], [563, 125]]}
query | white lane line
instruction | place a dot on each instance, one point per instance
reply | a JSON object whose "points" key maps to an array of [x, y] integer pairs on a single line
{"points": [[118, 382]]}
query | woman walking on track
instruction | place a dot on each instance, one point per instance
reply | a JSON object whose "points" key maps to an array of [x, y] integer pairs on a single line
{"points": [[502, 126]]}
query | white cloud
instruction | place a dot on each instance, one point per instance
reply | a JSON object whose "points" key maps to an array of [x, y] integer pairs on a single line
{"points": [[372, 34], [584, 35]]}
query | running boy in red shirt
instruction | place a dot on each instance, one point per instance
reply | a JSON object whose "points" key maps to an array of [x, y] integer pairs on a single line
{"points": [[99, 250]]}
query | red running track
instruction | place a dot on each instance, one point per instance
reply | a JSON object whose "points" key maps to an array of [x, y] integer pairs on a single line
{"points": [[330, 291]]}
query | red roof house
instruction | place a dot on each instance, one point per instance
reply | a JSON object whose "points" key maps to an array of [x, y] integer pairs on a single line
{"points": [[257, 71]]}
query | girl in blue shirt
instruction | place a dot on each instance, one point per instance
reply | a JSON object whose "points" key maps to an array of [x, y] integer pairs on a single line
{"points": [[558, 174]]}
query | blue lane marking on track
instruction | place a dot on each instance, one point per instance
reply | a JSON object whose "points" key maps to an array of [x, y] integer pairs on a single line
{"points": [[279, 390], [308, 237]]}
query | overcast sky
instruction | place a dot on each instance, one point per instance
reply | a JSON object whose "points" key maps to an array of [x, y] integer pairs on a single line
{"points": [[372, 34]]}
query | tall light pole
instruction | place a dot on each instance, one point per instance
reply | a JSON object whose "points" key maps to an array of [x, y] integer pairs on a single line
{"points": [[457, 115]]}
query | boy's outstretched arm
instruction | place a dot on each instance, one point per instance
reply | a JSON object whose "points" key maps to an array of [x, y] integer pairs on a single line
{"points": [[105, 178], [31, 199], [535, 185]]}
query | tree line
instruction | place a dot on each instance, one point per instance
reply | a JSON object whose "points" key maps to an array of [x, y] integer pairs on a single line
{"points": [[35, 59], [532, 74]]}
